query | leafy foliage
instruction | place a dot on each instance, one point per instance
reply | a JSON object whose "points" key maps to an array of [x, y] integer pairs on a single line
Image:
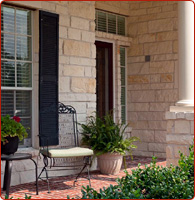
{"points": [[159, 182], [186, 164], [152, 182], [104, 135], [11, 128], [112, 192]]}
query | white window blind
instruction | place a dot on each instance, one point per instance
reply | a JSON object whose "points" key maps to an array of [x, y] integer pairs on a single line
{"points": [[16, 65], [121, 25], [123, 83], [110, 23]]}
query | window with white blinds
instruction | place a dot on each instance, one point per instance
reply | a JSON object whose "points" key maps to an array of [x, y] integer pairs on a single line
{"points": [[16, 65], [110, 23], [123, 83]]}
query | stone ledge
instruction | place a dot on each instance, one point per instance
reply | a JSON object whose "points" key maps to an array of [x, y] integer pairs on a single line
{"points": [[120, 38], [32, 151], [180, 115], [189, 109]]}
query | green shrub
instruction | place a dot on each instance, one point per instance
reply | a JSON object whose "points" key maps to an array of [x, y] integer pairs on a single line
{"points": [[112, 192], [186, 164], [152, 182], [160, 182], [174, 182]]}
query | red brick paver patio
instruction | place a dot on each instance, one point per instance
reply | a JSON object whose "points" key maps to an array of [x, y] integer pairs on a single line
{"points": [[63, 186]]}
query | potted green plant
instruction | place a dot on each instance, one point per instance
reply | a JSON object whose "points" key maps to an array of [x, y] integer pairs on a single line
{"points": [[107, 140], [11, 132]]}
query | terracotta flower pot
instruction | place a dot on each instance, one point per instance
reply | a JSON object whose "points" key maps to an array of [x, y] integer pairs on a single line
{"points": [[110, 163], [11, 147]]}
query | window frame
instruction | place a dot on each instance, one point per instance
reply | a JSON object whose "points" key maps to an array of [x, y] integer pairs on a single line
{"points": [[15, 88], [124, 86], [109, 13]]}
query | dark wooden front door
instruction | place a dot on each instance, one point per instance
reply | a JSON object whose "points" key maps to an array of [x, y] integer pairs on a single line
{"points": [[104, 77]]}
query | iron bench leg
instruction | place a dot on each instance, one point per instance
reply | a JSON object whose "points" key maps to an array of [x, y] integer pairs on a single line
{"points": [[47, 180], [89, 178], [45, 161], [86, 164], [36, 175], [7, 176]]}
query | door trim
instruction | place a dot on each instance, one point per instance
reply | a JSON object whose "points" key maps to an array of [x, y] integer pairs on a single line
{"points": [[113, 71]]}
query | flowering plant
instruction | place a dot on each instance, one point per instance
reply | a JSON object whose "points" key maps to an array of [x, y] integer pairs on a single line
{"points": [[11, 127]]}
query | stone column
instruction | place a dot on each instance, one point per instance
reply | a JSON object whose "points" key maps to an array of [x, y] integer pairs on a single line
{"points": [[180, 119], [186, 57]]}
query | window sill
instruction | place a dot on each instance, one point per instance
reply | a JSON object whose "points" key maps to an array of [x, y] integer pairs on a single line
{"points": [[32, 151]]}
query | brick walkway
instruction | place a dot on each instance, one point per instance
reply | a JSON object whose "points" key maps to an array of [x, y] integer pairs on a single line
{"points": [[63, 186]]}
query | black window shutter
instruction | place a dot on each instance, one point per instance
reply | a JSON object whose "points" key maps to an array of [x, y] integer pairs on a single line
{"points": [[48, 78]]}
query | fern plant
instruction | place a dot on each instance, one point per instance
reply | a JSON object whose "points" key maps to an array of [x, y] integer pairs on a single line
{"points": [[103, 135]]}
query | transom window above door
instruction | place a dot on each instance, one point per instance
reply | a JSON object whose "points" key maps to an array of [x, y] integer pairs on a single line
{"points": [[110, 23], [16, 65]]}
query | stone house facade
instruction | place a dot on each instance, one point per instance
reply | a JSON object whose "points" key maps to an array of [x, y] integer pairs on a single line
{"points": [[157, 71]]}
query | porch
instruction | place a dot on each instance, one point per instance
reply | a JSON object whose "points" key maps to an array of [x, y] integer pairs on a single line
{"points": [[63, 186], [145, 80]]}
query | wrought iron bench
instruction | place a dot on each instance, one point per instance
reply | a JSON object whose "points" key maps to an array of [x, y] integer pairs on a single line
{"points": [[69, 153]]}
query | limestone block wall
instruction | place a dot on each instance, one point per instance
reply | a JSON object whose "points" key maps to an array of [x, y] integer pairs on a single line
{"points": [[180, 134], [121, 8], [152, 72], [77, 83], [117, 7], [77, 52]]}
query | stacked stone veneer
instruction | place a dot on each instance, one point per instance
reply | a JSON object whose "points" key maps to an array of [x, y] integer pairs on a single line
{"points": [[180, 134], [77, 53], [77, 82], [117, 7], [77, 70], [152, 85]]}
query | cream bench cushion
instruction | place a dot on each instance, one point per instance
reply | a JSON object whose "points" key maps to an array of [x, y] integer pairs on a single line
{"points": [[65, 153]]}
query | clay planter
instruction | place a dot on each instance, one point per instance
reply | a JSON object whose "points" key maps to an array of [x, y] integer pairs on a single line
{"points": [[110, 163], [11, 147]]}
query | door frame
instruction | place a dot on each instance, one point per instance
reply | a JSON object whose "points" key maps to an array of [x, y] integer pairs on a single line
{"points": [[113, 70]]}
